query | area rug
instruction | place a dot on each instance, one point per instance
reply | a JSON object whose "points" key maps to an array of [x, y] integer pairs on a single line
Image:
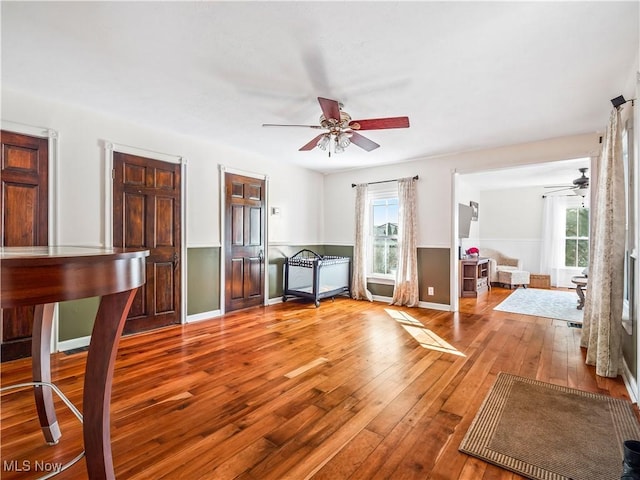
{"points": [[558, 304], [545, 431]]}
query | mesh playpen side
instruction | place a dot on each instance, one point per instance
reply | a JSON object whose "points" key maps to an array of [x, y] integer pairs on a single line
{"points": [[312, 276]]}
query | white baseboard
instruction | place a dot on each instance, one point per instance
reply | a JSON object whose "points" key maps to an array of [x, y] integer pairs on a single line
{"points": [[629, 382], [432, 306], [435, 306], [379, 298], [274, 301], [74, 343], [198, 317]]}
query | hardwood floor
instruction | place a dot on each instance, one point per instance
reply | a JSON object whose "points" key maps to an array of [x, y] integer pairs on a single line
{"points": [[344, 391]]}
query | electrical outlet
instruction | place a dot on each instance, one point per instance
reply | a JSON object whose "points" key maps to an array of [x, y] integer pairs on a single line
{"points": [[430, 291]]}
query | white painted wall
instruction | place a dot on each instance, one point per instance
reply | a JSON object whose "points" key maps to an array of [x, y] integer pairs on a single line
{"points": [[511, 222], [82, 135]]}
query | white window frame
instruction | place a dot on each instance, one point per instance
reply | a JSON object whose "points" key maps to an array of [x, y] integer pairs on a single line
{"points": [[572, 205], [383, 191]]}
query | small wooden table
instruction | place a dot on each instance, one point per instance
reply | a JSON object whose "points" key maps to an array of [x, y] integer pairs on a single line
{"points": [[41, 276], [580, 281], [474, 276]]}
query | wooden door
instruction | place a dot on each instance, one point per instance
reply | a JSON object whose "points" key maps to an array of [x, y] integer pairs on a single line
{"points": [[147, 214], [24, 204], [244, 241]]}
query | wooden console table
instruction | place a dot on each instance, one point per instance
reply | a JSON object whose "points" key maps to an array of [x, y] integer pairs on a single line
{"points": [[41, 276], [474, 276]]}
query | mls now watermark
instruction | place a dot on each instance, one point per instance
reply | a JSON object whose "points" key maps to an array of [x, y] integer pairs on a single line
{"points": [[31, 466]]}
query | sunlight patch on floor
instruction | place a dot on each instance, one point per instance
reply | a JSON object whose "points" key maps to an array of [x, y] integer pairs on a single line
{"points": [[305, 368], [425, 337]]}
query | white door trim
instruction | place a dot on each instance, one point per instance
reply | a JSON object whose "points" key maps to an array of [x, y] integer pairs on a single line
{"points": [[224, 169], [109, 149], [54, 218]]}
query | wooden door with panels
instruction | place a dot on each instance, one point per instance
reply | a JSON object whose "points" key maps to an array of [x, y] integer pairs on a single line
{"points": [[147, 214], [244, 241], [24, 205]]}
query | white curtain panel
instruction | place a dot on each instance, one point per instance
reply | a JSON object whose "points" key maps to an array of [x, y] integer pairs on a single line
{"points": [[602, 326], [553, 231], [406, 288], [359, 289]]}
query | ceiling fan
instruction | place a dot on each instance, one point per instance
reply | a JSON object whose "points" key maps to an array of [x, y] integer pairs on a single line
{"points": [[341, 130], [580, 185]]}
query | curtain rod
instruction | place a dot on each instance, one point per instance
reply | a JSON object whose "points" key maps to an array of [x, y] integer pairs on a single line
{"points": [[384, 181]]}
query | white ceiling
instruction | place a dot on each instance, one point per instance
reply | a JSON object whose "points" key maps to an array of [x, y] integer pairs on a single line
{"points": [[469, 75], [560, 173]]}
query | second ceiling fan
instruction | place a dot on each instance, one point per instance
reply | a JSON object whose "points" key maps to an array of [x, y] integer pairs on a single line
{"points": [[341, 130], [580, 185]]}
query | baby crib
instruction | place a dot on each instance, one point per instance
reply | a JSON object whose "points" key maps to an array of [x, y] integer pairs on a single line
{"points": [[312, 276]]}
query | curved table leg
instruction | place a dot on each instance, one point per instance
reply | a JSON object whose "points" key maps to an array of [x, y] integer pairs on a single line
{"points": [[581, 298], [112, 314], [41, 371]]}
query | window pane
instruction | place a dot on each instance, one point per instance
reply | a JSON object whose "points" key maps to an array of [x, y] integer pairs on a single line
{"points": [[583, 222], [583, 253], [379, 219], [570, 253], [379, 260], [572, 219], [384, 232], [393, 256]]}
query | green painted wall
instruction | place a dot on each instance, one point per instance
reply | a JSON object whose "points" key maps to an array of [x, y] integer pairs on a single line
{"points": [[76, 317], [434, 271], [203, 280], [203, 283]]}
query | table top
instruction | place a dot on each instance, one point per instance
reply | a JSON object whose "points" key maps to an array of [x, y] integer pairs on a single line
{"points": [[66, 252], [477, 259], [579, 279], [36, 275]]}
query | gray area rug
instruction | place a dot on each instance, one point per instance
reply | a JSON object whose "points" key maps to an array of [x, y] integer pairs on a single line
{"points": [[548, 432], [558, 304]]}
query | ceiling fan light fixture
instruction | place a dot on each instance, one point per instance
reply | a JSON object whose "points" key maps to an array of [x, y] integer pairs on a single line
{"points": [[340, 128], [581, 192], [343, 140], [323, 143]]}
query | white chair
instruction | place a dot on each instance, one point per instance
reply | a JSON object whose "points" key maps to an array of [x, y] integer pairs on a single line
{"points": [[499, 262]]}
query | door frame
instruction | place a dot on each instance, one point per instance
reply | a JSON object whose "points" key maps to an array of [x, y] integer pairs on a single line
{"points": [[53, 217], [109, 149], [223, 204]]}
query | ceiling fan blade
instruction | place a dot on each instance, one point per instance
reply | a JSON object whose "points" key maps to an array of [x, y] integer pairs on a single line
{"points": [[312, 144], [380, 123], [561, 190], [330, 108], [363, 142], [289, 125]]}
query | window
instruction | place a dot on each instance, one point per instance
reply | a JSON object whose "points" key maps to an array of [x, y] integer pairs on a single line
{"points": [[576, 251], [384, 236]]}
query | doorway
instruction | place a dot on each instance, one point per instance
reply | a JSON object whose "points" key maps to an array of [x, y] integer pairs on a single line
{"points": [[505, 225], [24, 205], [244, 241]]}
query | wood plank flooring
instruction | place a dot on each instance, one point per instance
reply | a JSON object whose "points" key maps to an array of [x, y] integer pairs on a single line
{"points": [[344, 391]]}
